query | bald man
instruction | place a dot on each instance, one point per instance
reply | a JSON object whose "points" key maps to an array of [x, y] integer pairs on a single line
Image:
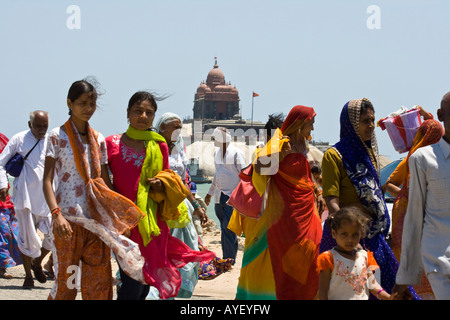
{"points": [[31, 209], [426, 229]]}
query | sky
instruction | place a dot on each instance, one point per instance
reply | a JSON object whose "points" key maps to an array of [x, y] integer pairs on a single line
{"points": [[319, 53]]}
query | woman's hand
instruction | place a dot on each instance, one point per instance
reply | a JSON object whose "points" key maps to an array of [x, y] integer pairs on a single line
{"points": [[61, 227], [156, 184], [202, 215]]}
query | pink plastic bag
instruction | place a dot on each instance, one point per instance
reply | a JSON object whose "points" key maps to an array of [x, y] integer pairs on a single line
{"points": [[402, 129]]}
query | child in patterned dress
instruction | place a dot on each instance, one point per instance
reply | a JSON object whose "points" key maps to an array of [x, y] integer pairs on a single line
{"points": [[347, 270]]}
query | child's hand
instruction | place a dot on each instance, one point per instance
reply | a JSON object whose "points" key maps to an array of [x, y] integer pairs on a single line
{"points": [[392, 296]]}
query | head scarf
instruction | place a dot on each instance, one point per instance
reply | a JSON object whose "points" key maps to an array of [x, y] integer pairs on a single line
{"points": [[430, 132], [296, 118], [165, 118], [360, 162]]}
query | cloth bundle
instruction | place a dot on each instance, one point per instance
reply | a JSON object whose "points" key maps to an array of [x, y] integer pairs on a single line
{"points": [[402, 127]]}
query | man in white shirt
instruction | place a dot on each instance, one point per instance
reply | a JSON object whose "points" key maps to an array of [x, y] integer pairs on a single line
{"points": [[31, 209], [426, 230], [229, 160]]}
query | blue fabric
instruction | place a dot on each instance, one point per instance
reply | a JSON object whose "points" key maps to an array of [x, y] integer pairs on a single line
{"points": [[362, 174], [365, 178], [9, 231]]}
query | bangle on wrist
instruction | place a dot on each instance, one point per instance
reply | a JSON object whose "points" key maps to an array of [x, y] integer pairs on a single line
{"points": [[378, 293], [55, 211]]}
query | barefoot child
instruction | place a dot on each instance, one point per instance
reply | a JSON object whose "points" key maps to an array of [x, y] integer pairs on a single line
{"points": [[347, 270]]}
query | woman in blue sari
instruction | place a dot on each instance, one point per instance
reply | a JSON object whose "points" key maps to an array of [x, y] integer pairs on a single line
{"points": [[350, 173]]}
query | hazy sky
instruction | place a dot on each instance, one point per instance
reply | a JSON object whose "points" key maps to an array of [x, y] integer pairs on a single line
{"points": [[316, 53]]}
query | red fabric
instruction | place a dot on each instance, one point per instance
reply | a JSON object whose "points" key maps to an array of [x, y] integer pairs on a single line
{"points": [[294, 237], [245, 199], [3, 142], [7, 204], [297, 113]]}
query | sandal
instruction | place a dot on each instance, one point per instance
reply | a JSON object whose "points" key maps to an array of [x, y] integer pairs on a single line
{"points": [[28, 283], [38, 273], [4, 275], [49, 274]]}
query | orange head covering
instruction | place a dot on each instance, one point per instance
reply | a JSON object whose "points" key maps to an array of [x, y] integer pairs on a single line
{"points": [[430, 132], [296, 118]]}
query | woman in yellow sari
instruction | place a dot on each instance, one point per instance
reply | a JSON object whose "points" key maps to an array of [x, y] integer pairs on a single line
{"points": [[282, 245]]}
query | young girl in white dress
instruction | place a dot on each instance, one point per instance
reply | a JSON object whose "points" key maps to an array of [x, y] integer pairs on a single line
{"points": [[347, 270]]}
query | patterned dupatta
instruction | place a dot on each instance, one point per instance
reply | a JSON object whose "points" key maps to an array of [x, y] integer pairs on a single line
{"points": [[112, 213], [361, 164]]}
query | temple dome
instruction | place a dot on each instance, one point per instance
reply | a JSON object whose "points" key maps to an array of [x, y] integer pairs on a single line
{"points": [[215, 77], [222, 88], [203, 88]]}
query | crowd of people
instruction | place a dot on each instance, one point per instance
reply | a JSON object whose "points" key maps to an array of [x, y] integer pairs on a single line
{"points": [[311, 231]]}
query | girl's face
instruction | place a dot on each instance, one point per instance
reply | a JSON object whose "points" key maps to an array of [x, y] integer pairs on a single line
{"points": [[367, 125], [347, 236], [141, 115], [171, 130], [83, 107]]}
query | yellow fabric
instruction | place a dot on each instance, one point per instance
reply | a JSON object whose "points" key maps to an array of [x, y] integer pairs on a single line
{"points": [[399, 175], [153, 163], [173, 195], [182, 220], [272, 150], [335, 181], [250, 286]]}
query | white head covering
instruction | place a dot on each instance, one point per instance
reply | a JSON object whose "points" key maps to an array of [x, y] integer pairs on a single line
{"points": [[166, 118], [221, 135]]}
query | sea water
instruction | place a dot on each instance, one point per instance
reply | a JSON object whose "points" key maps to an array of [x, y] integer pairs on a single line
{"points": [[202, 191]]}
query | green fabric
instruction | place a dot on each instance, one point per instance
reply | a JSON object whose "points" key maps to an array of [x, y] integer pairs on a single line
{"points": [[255, 250], [183, 220], [243, 294], [153, 163]]}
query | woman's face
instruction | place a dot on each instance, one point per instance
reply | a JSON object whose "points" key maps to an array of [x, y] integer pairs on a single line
{"points": [[367, 125], [141, 115], [307, 128], [83, 107], [171, 130]]}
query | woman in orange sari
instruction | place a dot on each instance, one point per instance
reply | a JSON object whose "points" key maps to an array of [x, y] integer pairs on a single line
{"points": [[292, 224], [429, 132]]}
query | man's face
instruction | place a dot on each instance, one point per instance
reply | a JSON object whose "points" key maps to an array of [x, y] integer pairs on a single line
{"points": [[39, 125], [444, 115]]}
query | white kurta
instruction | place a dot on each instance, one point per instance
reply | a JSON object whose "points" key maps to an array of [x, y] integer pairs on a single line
{"points": [[27, 188], [426, 233], [28, 197], [226, 177]]}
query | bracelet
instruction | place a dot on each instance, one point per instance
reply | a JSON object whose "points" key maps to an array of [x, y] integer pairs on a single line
{"points": [[195, 204], [378, 293], [55, 211]]}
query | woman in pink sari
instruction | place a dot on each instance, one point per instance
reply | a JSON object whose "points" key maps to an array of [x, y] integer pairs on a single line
{"points": [[134, 158]]}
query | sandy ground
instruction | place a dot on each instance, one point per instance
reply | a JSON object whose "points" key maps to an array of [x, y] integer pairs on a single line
{"points": [[221, 288]]}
